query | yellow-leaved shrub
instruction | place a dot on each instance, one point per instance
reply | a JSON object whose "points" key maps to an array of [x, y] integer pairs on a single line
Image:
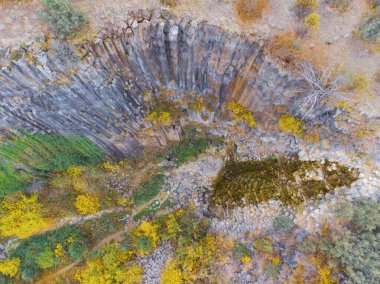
{"points": [[87, 204], [148, 230], [312, 21], [241, 114], [160, 117], [111, 265], [21, 216], [9, 267], [289, 124]]}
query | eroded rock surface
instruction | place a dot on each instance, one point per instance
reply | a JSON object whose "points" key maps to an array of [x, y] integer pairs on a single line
{"points": [[97, 90]]}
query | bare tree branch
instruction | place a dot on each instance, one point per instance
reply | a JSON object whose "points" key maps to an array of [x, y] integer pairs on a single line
{"points": [[321, 86]]}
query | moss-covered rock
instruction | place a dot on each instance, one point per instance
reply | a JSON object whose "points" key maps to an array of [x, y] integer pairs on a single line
{"points": [[288, 180]]}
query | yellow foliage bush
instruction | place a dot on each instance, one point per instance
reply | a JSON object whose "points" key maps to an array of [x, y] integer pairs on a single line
{"points": [[241, 114], [149, 230], [87, 204], [112, 265], [9, 267], [193, 260], [58, 251], [80, 185], [123, 201], [160, 117], [360, 82], [171, 275], [289, 124], [246, 259], [312, 21], [75, 171], [21, 216], [276, 260], [172, 226], [325, 275], [249, 11]]}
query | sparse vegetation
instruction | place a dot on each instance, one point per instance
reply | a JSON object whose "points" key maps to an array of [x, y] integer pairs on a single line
{"points": [[312, 21], [160, 117], [359, 82], [169, 3], [241, 114], [304, 7], [148, 190], [282, 224], [341, 5], [249, 11], [370, 29], [289, 124], [62, 17]]}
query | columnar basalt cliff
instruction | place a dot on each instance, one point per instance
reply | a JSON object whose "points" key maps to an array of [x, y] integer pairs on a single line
{"points": [[98, 92]]}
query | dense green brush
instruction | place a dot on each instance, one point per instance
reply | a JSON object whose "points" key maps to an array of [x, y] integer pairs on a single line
{"points": [[42, 152]]}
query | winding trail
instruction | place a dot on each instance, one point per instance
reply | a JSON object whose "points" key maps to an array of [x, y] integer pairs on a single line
{"points": [[118, 236]]}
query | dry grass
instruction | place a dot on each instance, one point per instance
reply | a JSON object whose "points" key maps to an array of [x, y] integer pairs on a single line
{"points": [[249, 11], [170, 3], [290, 50]]}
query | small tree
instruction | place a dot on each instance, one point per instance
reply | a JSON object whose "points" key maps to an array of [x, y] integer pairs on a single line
{"points": [[46, 259], [62, 17], [321, 85]]}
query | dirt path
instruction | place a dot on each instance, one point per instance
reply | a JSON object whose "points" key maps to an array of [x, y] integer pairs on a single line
{"points": [[118, 236]]}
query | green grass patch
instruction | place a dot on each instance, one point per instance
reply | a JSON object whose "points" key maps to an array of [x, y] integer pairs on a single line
{"points": [[27, 153], [148, 190], [191, 147]]}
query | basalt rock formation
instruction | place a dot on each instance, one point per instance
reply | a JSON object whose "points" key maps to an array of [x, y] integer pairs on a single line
{"points": [[97, 90]]}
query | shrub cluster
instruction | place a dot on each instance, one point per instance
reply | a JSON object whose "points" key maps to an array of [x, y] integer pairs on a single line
{"points": [[250, 10], [39, 252], [370, 29], [289, 124], [312, 21], [305, 7], [62, 17]]}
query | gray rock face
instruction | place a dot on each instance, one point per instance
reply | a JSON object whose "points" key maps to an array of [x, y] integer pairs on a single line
{"points": [[101, 94]]}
